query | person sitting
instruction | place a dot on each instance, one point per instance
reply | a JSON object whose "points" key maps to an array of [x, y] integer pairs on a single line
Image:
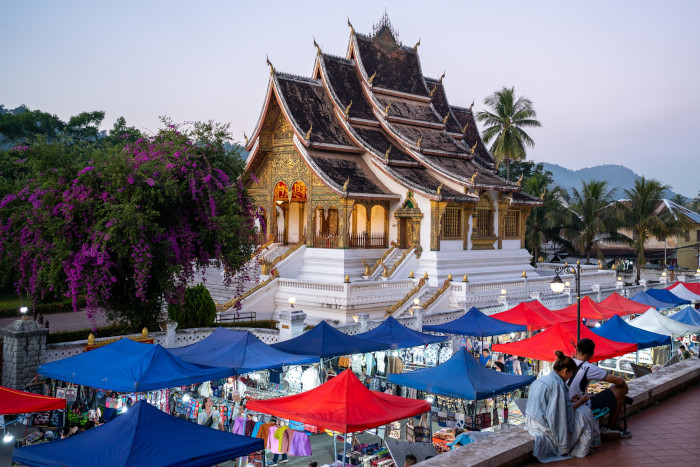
{"points": [[410, 460], [550, 416], [685, 354], [613, 397]]}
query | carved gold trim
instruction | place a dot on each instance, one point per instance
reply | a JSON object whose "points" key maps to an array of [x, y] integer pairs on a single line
{"points": [[268, 266], [232, 303], [437, 294], [401, 260], [380, 261], [390, 310]]}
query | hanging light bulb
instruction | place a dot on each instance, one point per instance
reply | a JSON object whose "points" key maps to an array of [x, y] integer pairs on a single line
{"points": [[429, 399], [124, 408], [186, 398], [7, 438]]}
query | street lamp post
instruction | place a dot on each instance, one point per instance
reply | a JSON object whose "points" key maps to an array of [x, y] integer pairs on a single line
{"points": [[557, 285]]}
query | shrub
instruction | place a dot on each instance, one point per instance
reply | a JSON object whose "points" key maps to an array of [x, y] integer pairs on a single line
{"points": [[198, 311], [262, 324], [44, 308], [82, 334]]}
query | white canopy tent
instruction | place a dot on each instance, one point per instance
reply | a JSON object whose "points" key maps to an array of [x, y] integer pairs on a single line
{"points": [[681, 291], [653, 321]]}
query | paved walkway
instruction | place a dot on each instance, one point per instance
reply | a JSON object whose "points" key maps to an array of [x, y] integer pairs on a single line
{"points": [[664, 434], [70, 321]]}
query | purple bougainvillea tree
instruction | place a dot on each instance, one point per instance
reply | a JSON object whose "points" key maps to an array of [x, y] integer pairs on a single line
{"points": [[130, 230]]}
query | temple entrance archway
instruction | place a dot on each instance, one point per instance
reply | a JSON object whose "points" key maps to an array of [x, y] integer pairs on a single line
{"points": [[326, 227], [408, 218]]}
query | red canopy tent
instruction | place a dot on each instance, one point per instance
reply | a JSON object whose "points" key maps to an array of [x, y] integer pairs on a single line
{"points": [[13, 401], [563, 337], [589, 310], [343, 404], [533, 314], [623, 305]]}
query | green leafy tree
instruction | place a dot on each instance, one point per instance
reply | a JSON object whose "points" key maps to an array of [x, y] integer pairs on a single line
{"points": [[539, 228], [639, 213], [504, 125], [197, 311], [590, 219], [680, 200]]}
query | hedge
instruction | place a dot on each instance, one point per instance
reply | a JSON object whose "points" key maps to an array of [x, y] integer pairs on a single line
{"points": [[82, 334], [44, 308], [261, 324]]}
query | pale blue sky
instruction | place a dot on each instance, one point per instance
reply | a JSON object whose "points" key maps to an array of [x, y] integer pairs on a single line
{"points": [[612, 81]]}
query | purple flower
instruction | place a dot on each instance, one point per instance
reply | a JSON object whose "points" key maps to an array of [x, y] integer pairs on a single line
{"points": [[130, 179], [85, 170], [150, 182]]}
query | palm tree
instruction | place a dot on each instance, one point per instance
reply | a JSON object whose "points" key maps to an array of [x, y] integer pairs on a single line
{"points": [[680, 200], [639, 213], [590, 219], [538, 228], [505, 120]]}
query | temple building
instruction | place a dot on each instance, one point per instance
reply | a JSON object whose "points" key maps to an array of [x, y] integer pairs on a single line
{"points": [[368, 152]]}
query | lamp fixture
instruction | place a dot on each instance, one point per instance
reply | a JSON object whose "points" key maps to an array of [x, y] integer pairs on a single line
{"points": [[619, 278], [124, 408], [416, 301], [663, 274], [503, 291], [429, 399], [23, 309], [292, 301], [557, 285], [567, 284], [356, 318], [7, 438], [186, 398], [597, 324]]}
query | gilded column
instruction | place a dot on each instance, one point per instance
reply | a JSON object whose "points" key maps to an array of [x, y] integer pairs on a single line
{"points": [[503, 205], [524, 214], [437, 209]]}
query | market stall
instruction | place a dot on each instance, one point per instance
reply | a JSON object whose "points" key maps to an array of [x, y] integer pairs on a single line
{"points": [[144, 436], [683, 291], [693, 287], [239, 351], [653, 321], [616, 329], [325, 341], [397, 336], [623, 306], [531, 315], [128, 366], [563, 337], [342, 405], [589, 310], [645, 299], [477, 324], [13, 401], [668, 296], [687, 315]]}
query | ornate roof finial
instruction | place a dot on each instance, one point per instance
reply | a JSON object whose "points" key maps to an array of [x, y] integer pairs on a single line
{"points": [[345, 185], [420, 140], [415, 47], [386, 154], [308, 133], [272, 68], [543, 192], [318, 47], [442, 77], [473, 148], [352, 30], [471, 180], [444, 120], [245, 137], [519, 180], [464, 129], [471, 106], [386, 109], [371, 78], [347, 109], [432, 91], [439, 189]]}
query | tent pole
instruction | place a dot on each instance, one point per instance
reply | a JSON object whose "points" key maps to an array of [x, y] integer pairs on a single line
{"points": [[335, 447], [430, 423], [345, 447], [245, 417]]}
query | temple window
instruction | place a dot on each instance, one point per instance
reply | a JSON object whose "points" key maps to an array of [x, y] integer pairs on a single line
{"points": [[452, 223], [512, 224], [484, 216]]}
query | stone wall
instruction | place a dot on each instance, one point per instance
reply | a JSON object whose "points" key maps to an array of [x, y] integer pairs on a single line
{"points": [[23, 349]]}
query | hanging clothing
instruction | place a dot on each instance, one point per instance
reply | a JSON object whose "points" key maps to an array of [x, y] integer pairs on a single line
{"points": [[238, 426], [256, 429], [310, 379], [276, 440], [249, 426], [358, 362], [369, 363], [395, 365], [381, 362], [264, 432], [300, 445]]}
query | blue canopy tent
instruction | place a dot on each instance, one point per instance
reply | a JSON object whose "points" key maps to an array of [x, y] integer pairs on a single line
{"points": [[325, 341], [687, 316], [477, 324], [461, 376], [144, 436], [398, 336], [667, 296], [128, 366], [645, 299], [240, 352], [616, 329]]}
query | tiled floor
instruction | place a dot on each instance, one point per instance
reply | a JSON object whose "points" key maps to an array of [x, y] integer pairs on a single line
{"points": [[664, 434]]}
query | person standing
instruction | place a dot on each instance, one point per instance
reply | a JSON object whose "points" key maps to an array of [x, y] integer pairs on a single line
{"points": [[485, 357], [210, 417]]}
